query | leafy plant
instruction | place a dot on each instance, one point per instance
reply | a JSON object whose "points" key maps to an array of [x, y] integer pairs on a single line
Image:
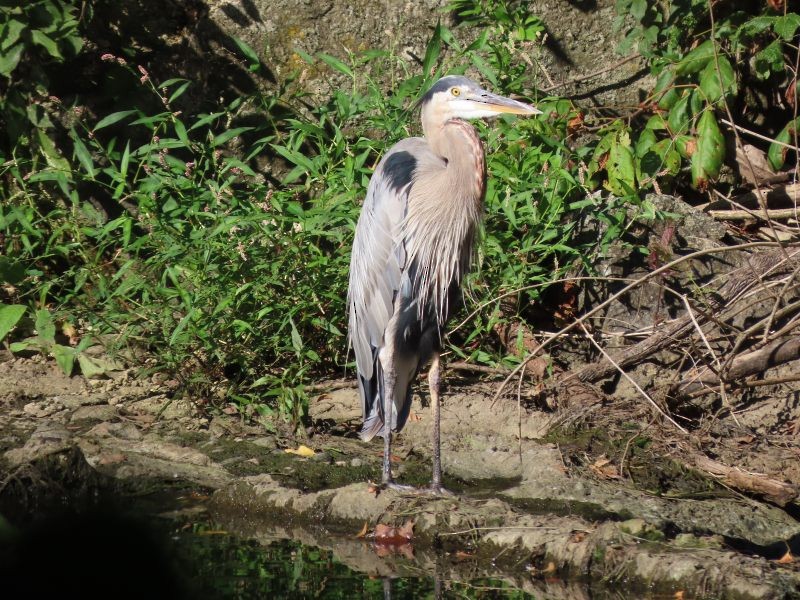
{"points": [[153, 229], [698, 77]]}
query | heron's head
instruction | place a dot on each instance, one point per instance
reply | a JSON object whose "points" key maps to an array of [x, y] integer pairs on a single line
{"points": [[458, 97]]}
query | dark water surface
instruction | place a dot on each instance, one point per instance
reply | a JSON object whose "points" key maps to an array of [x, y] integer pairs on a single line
{"points": [[229, 567]]}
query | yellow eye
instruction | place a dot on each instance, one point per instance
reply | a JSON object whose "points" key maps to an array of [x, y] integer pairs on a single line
{"points": [[455, 91]]}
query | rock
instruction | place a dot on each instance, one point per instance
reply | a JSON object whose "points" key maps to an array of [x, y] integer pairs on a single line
{"points": [[635, 527], [323, 457], [46, 439], [102, 412], [122, 430], [43, 408], [356, 462], [264, 442]]}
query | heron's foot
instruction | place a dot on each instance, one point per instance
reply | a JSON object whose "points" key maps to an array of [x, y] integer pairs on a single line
{"points": [[436, 489], [391, 484], [429, 490]]}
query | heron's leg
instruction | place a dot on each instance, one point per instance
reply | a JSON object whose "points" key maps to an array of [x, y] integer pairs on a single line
{"points": [[389, 379], [434, 379]]}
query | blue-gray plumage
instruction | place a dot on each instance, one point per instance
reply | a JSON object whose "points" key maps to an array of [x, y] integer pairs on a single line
{"points": [[414, 243]]}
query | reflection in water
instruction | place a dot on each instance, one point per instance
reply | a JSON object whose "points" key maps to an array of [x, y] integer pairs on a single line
{"points": [[220, 565]]}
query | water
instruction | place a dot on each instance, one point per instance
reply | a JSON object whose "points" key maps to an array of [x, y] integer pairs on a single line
{"points": [[228, 567]]}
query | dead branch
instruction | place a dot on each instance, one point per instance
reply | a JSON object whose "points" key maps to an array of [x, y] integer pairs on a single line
{"points": [[777, 353], [780, 196], [744, 215], [762, 265], [773, 490]]}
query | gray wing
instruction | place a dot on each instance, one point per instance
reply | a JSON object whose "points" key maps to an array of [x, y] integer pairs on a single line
{"points": [[378, 257], [378, 262]]}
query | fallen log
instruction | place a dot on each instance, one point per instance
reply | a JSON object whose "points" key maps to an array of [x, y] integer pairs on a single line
{"points": [[777, 353], [773, 490]]}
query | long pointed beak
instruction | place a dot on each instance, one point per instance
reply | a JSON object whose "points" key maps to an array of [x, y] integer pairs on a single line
{"points": [[501, 104]]}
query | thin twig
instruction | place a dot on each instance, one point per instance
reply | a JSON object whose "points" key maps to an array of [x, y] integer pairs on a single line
{"points": [[747, 384], [602, 71], [714, 356], [757, 135], [631, 380]]}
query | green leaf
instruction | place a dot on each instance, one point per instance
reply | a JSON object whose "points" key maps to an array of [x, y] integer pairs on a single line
{"points": [[710, 152], [638, 9], [11, 271], [247, 51], [680, 116], [786, 25], [126, 157], [65, 357], [82, 153], [710, 84], [696, 60], [45, 41], [180, 131], [665, 91], [293, 157], [10, 59], [769, 60], [297, 341], [45, 327], [179, 92], [777, 151], [113, 118], [335, 64], [10, 314], [432, 51], [92, 368], [50, 152], [10, 34], [621, 170], [229, 135]]}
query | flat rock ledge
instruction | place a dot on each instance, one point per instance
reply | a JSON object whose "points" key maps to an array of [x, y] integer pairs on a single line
{"points": [[491, 534]]}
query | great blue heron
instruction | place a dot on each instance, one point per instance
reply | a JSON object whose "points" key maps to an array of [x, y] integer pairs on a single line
{"points": [[413, 245]]}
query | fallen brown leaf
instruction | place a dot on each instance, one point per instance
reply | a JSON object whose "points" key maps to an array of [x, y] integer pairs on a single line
{"points": [[577, 536], [415, 417], [604, 468], [678, 595], [462, 555], [112, 459], [786, 559], [388, 534], [364, 530], [393, 458], [575, 124]]}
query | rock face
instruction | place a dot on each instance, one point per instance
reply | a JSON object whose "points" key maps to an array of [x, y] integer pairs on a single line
{"points": [[194, 39]]}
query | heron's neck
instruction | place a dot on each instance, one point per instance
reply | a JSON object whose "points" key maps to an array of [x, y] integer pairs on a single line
{"points": [[460, 145]]}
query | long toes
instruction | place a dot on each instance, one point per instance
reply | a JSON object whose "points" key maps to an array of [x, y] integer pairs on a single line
{"points": [[438, 490], [399, 487]]}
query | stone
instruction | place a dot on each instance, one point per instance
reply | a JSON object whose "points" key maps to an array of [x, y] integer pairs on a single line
{"points": [[102, 412]]}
